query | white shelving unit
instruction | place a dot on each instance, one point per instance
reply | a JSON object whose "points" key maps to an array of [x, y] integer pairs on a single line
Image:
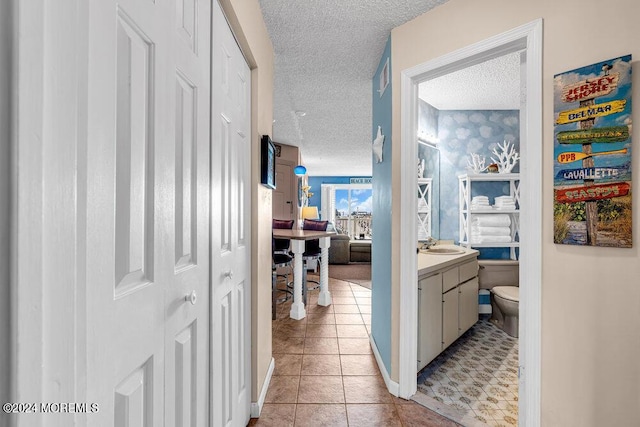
{"points": [[424, 208], [466, 213]]}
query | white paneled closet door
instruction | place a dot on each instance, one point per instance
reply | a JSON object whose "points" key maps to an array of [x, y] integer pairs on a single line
{"points": [[231, 232], [147, 190]]}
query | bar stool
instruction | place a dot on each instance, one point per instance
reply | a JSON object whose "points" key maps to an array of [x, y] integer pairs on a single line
{"points": [[280, 259], [312, 250]]}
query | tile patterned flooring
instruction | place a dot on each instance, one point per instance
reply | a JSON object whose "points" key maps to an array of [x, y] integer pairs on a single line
{"points": [[477, 376], [325, 371]]}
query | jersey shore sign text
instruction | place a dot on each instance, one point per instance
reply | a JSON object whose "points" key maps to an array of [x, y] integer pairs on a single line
{"points": [[592, 152]]}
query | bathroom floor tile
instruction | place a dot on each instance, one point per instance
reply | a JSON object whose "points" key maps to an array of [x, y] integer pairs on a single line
{"points": [[478, 374]]}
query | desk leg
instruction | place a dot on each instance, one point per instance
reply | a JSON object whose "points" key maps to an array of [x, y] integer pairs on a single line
{"points": [[297, 308], [325, 297]]}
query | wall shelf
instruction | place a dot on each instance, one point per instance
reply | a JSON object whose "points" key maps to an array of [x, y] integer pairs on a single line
{"points": [[424, 208], [465, 183]]}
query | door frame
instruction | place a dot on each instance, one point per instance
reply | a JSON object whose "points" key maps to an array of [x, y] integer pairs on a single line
{"points": [[47, 287], [527, 37]]}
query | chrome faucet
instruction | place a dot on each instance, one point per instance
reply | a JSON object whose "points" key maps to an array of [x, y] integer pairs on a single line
{"points": [[429, 242]]}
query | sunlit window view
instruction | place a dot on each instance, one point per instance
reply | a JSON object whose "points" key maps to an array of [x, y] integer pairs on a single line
{"points": [[353, 212]]}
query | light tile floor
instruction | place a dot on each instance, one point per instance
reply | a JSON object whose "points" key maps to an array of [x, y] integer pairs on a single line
{"points": [[477, 376], [325, 372]]}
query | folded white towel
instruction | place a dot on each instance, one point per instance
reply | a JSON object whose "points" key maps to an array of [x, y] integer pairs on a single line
{"points": [[480, 199], [505, 199], [491, 220], [491, 239], [505, 202], [490, 231]]}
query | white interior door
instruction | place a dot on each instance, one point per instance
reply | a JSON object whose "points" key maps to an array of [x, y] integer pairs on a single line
{"points": [[230, 246], [283, 196], [148, 212]]}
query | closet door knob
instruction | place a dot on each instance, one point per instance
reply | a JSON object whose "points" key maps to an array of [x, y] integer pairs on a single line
{"points": [[229, 274], [192, 298]]}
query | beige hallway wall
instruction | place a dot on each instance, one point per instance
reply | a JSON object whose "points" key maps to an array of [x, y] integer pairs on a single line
{"points": [[590, 296], [245, 18]]}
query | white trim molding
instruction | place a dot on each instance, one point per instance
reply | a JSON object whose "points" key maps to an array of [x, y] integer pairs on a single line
{"points": [[392, 386], [526, 38], [256, 407]]}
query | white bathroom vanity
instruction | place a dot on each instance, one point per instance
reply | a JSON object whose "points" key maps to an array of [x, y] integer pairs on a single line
{"points": [[447, 298]]}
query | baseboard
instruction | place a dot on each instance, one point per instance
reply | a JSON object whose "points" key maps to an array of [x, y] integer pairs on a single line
{"points": [[392, 386], [256, 407]]}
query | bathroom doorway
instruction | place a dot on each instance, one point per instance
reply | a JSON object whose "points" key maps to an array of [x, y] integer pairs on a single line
{"points": [[528, 39]]}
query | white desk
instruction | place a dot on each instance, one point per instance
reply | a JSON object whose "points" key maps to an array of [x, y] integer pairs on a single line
{"points": [[297, 247]]}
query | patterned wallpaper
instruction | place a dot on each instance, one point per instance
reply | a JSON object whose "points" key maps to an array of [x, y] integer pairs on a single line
{"points": [[461, 133]]}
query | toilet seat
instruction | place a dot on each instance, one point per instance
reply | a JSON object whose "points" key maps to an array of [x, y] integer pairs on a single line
{"points": [[509, 293]]}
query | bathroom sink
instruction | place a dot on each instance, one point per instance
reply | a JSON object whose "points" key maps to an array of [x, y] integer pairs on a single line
{"points": [[444, 251]]}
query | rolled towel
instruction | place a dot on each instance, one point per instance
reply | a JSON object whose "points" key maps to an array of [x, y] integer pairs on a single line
{"points": [[490, 231], [491, 239], [491, 220]]}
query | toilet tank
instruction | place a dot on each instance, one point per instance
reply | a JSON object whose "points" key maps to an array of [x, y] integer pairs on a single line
{"points": [[498, 272]]}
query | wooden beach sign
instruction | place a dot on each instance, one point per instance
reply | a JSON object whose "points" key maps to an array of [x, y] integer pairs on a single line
{"points": [[574, 156], [592, 200]]}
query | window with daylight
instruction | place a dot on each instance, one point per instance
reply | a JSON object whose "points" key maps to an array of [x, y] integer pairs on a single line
{"points": [[349, 207]]}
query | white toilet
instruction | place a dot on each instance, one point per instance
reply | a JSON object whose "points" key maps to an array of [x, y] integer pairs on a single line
{"points": [[501, 277]]}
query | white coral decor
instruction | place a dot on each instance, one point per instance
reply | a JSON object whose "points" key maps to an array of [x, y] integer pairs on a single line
{"points": [[507, 157], [476, 164]]}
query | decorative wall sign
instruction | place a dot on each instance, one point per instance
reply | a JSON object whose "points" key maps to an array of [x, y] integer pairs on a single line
{"points": [[592, 150]]}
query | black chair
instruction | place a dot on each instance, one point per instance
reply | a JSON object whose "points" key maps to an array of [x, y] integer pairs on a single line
{"points": [[280, 258], [312, 251]]}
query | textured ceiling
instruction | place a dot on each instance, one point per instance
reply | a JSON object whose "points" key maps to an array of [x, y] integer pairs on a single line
{"points": [[326, 53], [491, 85]]}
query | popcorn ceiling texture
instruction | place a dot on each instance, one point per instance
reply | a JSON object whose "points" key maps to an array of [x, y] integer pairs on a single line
{"points": [[491, 85], [326, 53]]}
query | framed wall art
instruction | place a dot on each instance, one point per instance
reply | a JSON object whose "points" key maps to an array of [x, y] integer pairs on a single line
{"points": [[592, 152], [268, 163]]}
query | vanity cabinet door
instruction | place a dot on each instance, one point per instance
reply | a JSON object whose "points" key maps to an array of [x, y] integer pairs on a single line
{"points": [[429, 319], [449, 317], [468, 304]]}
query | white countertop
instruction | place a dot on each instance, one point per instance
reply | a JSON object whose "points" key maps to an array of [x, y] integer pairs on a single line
{"points": [[429, 263]]}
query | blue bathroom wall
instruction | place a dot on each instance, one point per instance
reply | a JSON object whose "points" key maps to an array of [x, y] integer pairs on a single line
{"points": [[461, 133], [315, 182], [381, 242]]}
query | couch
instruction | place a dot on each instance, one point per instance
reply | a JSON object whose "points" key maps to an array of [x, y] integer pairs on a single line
{"points": [[360, 251], [339, 250]]}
